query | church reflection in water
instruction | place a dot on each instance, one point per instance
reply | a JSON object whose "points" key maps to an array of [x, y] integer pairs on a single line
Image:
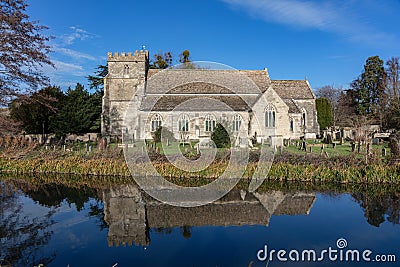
{"points": [[130, 213]]}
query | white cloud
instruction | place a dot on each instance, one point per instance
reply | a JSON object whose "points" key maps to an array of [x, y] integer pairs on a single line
{"points": [[71, 65], [77, 34], [64, 74], [340, 17], [73, 53]]}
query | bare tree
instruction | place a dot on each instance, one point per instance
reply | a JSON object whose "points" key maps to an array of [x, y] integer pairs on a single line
{"points": [[393, 72], [23, 51], [392, 114]]}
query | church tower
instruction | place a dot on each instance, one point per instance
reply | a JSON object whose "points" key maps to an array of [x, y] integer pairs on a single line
{"points": [[126, 72]]}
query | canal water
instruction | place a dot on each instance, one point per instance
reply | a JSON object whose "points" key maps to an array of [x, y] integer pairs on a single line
{"points": [[56, 225]]}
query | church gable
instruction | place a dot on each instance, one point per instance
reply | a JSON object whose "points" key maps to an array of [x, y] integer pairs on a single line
{"points": [[270, 104]]}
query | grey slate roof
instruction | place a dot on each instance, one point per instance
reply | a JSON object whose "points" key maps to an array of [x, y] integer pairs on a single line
{"points": [[292, 106], [292, 89], [197, 103], [166, 89], [240, 82]]}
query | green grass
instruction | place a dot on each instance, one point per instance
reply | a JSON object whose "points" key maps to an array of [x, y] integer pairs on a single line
{"points": [[339, 151]]}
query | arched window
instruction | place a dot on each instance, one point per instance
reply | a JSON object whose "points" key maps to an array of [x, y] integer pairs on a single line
{"points": [[236, 122], [270, 117], [184, 123], [291, 124], [156, 121], [303, 117], [209, 122]]}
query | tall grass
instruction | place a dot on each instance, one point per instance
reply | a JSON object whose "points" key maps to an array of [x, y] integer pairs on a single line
{"points": [[286, 167]]}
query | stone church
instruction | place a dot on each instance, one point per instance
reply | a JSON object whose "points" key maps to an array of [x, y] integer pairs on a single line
{"points": [[190, 102]]}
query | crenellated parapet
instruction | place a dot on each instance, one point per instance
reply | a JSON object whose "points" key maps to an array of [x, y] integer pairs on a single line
{"points": [[141, 55]]}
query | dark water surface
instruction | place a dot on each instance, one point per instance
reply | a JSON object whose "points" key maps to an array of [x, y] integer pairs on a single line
{"points": [[55, 225]]}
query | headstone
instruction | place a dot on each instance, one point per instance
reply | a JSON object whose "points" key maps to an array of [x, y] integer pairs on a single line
{"points": [[329, 139], [383, 152], [90, 148], [86, 147], [353, 147]]}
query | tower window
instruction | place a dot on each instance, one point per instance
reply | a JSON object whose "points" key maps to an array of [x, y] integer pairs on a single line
{"points": [[126, 70]]}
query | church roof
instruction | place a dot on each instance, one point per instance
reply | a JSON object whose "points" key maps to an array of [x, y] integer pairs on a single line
{"points": [[293, 89], [239, 82], [239, 90], [292, 106], [198, 103]]}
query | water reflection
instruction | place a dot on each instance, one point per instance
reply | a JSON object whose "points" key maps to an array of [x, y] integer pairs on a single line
{"points": [[22, 236], [379, 208], [36, 221], [130, 213]]}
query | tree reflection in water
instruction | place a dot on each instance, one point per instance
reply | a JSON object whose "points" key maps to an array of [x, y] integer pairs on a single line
{"points": [[377, 208], [22, 236]]}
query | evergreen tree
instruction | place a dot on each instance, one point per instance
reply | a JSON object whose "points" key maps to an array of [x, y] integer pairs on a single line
{"points": [[324, 112], [37, 112], [369, 89], [97, 81], [80, 113], [220, 136]]}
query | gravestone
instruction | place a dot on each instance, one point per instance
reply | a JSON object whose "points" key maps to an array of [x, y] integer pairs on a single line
{"points": [[394, 145]]}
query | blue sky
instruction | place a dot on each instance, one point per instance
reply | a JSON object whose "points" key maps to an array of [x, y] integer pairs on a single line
{"points": [[326, 41]]}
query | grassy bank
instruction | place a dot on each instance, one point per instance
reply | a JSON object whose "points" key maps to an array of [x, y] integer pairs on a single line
{"points": [[286, 167]]}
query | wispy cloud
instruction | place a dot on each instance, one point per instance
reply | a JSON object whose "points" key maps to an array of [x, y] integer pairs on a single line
{"points": [[72, 63], [73, 53], [340, 17], [77, 34], [68, 67], [64, 74]]}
